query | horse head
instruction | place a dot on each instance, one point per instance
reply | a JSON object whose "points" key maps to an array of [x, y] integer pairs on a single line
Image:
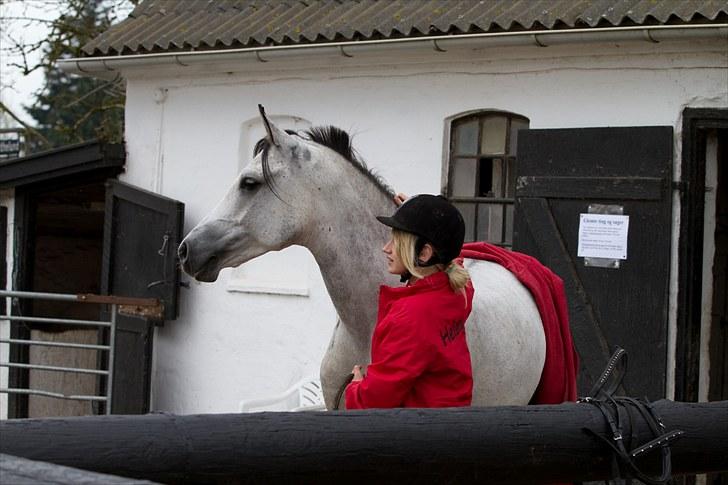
{"points": [[264, 210]]}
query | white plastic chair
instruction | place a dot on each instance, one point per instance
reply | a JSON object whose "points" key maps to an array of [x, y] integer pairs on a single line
{"points": [[305, 395]]}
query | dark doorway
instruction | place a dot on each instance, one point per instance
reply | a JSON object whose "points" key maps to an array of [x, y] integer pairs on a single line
{"points": [[702, 127], [77, 230], [57, 245], [66, 225]]}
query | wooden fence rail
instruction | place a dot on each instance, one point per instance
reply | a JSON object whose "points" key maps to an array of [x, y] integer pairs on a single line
{"points": [[511, 444]]}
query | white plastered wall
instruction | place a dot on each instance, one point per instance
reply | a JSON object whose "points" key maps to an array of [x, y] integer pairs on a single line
{"points": [[7, 200], [184, 131]]}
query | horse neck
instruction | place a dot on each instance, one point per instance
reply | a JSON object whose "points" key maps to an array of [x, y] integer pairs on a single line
{"points": [[346, 243]]}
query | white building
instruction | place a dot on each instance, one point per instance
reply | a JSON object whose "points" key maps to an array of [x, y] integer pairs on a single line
{"points": [[417, 84]]}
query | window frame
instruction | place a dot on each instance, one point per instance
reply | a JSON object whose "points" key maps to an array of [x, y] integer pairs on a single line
{"points": [[449, 156]]}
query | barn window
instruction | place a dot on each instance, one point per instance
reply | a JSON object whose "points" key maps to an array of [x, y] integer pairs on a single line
{"points": [[481, 178]]}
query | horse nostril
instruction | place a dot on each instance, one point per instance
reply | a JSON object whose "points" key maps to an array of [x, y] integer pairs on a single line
{"points": [[182, 252]]}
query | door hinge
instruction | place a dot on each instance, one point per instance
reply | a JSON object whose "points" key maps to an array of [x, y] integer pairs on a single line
{"points": [[680, 185]]}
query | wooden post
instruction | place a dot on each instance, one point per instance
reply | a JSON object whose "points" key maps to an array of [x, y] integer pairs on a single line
{"points": [[511, 444]]}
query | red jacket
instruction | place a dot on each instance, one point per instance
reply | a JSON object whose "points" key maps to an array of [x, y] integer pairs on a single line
{"points": [[420, 356]]}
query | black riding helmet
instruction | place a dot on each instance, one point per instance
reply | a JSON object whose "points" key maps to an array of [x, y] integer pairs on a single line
{"points": [[434, 220]]}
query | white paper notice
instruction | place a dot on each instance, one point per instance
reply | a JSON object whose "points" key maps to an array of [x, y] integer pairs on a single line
{"points": [[603, 236]]}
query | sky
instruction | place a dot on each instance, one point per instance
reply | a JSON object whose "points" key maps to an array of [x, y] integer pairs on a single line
{"points": [[16, 89]]}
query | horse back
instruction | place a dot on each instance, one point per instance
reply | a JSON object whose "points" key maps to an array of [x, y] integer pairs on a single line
{"points": [[505, 337]]}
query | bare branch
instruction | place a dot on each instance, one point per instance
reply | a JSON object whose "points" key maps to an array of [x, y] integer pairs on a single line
{"points": [[94, 110], [31, 20], [95, 90], [27, 127]]}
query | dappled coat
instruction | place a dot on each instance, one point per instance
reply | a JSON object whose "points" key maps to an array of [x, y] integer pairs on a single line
{"points": [[420, 355]]}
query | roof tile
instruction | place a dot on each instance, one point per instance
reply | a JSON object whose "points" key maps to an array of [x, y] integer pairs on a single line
{"points": [[174, 25]]}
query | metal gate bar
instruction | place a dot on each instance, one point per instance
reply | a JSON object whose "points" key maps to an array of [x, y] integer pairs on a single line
{"points": [[55, 394], [60, 321], [111, 324], [44, 343], [75, 370]]}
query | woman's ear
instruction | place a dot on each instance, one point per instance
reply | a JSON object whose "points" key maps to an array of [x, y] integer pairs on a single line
{"points": [[426, 253]]}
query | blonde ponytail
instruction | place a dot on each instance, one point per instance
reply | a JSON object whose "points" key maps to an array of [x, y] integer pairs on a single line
{"points": [[457, 275], [404, 246]]}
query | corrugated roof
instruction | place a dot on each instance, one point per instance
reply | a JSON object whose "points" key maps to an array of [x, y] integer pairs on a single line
{"points": [[182, 25]]}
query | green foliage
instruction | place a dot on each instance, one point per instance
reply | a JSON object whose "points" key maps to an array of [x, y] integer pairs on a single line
{"points": [[73, 109]]}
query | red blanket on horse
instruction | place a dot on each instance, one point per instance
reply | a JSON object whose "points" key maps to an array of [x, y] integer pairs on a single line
{"points": [[558, 379]]}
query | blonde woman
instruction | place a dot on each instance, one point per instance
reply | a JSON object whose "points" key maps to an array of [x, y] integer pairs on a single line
{"points": [[420, 355]]}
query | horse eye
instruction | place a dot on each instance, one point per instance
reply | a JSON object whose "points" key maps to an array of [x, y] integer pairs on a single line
{"points": [[249, 183]]}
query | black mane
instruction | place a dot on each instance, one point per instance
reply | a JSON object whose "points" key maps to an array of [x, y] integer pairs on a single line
{"points": [[336, 139], [330, 137], [340, 141]]}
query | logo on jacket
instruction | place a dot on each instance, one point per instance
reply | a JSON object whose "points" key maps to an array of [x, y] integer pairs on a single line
{"points": [[449, 334]]}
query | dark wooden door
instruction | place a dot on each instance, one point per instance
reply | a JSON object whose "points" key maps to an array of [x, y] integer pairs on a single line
{"points": [[561, 173], [141, 233]]}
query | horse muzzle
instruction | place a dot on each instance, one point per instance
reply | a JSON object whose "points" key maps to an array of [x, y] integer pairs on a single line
{"points": [[202, 267]]}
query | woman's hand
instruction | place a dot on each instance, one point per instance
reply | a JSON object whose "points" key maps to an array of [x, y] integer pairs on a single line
{"points": [[357, 371], [400, 198]]}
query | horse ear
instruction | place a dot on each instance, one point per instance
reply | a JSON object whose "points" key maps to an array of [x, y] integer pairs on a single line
{"points": [[275, 135]]}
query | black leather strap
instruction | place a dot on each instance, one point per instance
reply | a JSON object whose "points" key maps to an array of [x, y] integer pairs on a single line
{"points": [[612, 376], [612, 408]]}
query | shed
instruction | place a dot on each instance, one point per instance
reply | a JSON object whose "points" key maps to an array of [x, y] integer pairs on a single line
{"points": [[528, 115]]}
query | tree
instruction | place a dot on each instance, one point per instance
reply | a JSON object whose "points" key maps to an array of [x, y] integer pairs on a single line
{"points": [[69, 109]]}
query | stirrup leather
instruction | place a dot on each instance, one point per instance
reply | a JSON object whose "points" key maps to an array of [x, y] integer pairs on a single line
{"points": [[602, 397]]}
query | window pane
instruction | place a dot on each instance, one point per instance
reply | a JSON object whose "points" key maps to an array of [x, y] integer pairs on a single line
{"points": [[462, 177], [509, 224], [511, 178], [490, 222], [466, 138], [516, 124], [494, 135], [497, 176], [485, 182], [468, 212]]}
